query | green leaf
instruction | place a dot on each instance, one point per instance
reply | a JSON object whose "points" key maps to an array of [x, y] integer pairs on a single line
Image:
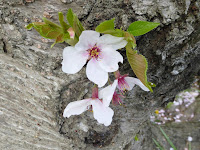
{"points": [[50, 30], [167, 138], [51, 24], [169, 105], [36, 25], [77, 29], [29, 26], [116, 32], [138, 28], [130, 39], [76, 25], [45, 30], [158, 145], [151, 84], [136, 138], [158, 120], [80, 25], [72, 41], [106, 26], [63, 24], [59, 39], [138, 64], [70, 17]]}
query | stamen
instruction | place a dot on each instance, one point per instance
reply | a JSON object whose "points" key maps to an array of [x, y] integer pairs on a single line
{"points": [[117, 98], [89, 108], [123, 85], [94, 52]]}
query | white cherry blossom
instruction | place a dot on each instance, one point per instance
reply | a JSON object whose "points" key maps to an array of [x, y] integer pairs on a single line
{"points": [[100, 102], [99, 50], [189, 138], [127, 83]]}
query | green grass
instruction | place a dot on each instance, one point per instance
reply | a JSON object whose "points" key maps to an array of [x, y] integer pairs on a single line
{"points": [[168, 140]]}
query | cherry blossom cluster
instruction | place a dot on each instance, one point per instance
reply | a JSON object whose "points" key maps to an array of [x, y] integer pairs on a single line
{"points": [[181, 110], [101, 55]]}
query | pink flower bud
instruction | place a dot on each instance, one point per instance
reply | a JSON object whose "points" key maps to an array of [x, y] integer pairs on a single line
{"points": [[71, 33]]}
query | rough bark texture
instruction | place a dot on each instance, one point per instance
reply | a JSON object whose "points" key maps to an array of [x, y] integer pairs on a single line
{"points": [[34, 91]]}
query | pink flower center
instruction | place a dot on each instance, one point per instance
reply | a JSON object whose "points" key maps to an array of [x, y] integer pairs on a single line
{"points": [[95, 94], [116, 100], [122, 83], [94, 52]]}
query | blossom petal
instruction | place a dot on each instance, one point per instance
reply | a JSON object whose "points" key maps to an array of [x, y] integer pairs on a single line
{"points": [[101, 113], [115, 42], [109, 59], [95, 73], [119, 45], [73, 60], [107, 93], [132, 81], [87, 40], [76, 108]]}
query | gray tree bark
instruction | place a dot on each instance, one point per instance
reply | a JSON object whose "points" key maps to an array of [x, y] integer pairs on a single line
{"points": [[34, 91]]}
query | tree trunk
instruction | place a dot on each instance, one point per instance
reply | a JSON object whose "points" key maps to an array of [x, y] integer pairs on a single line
{"points": [[34, 90]]}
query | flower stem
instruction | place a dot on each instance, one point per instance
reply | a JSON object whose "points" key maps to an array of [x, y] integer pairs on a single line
{"points": [[190, 146], [95, 92]]}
